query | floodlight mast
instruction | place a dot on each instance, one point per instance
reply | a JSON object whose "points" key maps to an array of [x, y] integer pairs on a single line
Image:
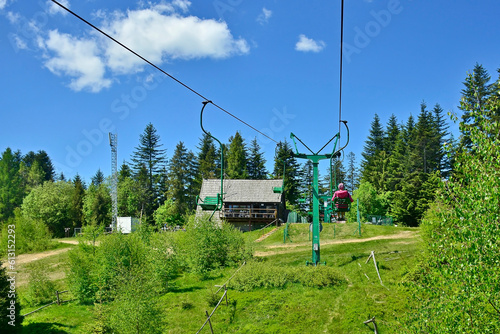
{"points": [[113, 142], [315, 158]]}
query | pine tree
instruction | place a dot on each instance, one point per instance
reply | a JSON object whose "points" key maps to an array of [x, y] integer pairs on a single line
{"points": [[440, 138], [77, 204], [207, 157], [179, 179], [474, 98], [284, 161], [423, 140], [373, 144], [124, 172], [193, 187], [352, 176], [237, 158], [391, 134], [256, 164], [43, 160], [150, 154], [98, 178]]}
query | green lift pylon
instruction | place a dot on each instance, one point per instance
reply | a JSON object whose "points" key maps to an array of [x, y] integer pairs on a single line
{"points": [[315, 158]]}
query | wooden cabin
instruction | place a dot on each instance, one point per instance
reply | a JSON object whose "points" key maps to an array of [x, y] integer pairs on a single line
{"points": [[247, 204]]}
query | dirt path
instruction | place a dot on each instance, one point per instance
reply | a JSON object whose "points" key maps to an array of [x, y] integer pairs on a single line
{"points": [[290, 248], [27, 258]]}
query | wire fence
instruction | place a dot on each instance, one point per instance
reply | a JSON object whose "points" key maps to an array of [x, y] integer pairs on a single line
{"points": [[224, 297], [58, 301], [380, 220]]}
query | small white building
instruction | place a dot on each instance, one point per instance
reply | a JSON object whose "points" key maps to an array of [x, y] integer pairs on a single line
{"points": [[126, 224]]}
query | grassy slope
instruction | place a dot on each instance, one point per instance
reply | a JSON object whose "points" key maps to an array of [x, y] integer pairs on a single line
{"points": [[294, 309]]}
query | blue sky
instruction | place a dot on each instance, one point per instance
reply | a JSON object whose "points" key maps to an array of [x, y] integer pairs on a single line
{"points": [[274, 64]]}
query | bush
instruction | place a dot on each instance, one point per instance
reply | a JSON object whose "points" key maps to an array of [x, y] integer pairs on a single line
{"points": [[95, 271], [31, 235], [262, 275], [41, 290], [209, 245]]}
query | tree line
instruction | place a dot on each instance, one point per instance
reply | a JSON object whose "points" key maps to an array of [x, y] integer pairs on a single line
{"points": [[403, 164]]}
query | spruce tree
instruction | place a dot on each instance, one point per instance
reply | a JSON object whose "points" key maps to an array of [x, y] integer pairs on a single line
{"points": [[150, 154], [98, 178], [78, 197], [373, 144], [284, 161], [256, 165], [237, 158], [44, 162], [391, 134], [179, 179], [352, 176], [474, 97], [207, 157]]}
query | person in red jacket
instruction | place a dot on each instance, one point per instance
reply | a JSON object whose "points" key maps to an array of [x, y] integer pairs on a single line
{"points": [[341, 193]]}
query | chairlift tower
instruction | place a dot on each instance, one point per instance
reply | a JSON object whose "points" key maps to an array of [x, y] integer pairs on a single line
{"points": [[113, 142], [315, 158]]}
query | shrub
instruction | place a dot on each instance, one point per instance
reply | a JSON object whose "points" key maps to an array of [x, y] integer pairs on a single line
{"points": [[262, 275], [209, 245], [41, 290], [95, 271], [31, 235]]}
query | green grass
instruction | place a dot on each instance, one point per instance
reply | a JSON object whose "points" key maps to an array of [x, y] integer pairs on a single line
{"points": [[292, 309]]}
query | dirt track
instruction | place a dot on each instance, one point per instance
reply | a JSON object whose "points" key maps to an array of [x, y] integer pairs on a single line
{"points": [[290, 248]]}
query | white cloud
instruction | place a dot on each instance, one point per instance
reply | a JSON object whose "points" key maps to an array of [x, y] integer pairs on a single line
{"points": [[13, 17], [3, 3], [159, 37], [56, 9], [20, 43], [264, 17], [309, 45], [159, 33], [77, 58]]}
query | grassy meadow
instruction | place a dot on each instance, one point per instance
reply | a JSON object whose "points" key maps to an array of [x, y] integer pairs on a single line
{"points": [[352, 296]]}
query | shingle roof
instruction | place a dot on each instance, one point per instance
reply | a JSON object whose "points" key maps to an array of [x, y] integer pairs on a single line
{"points": [[243, 191]]}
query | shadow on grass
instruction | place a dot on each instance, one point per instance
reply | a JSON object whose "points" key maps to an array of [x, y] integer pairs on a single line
{"points": [[176, 289], [45, 328]]}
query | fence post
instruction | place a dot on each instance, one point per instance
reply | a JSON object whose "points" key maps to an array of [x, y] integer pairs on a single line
{"points": [[225, 292], [208, 317], [57, 297]]}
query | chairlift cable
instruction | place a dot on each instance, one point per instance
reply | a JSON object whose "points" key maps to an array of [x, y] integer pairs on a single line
{"points": [[341, 60], [159, 69]]}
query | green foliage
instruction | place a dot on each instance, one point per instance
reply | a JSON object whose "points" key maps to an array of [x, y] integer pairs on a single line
{"points": [[457, 289], [181, 176], [11, 191], [209, 245], [41, 290], [51, 203], [10, 310], [256, 164], [371, 201], [95, 271], [270, 276], [287, 167], [167, 214], [31, 235], [134, 308], [237, 158], [97, 205]]}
